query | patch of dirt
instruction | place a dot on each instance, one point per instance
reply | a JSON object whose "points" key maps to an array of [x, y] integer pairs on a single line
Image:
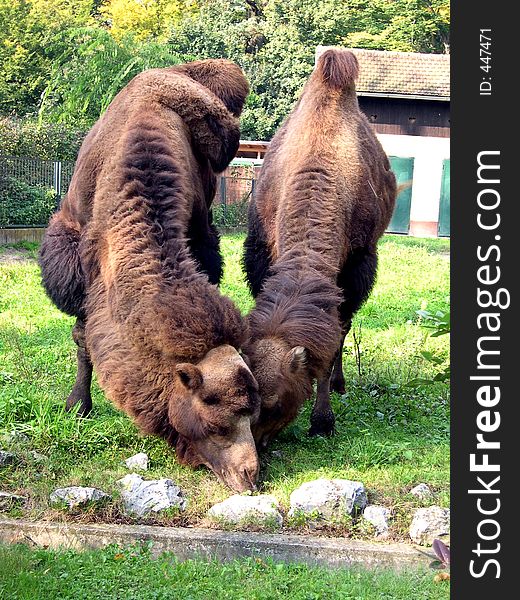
{"points": [[15, 256]]}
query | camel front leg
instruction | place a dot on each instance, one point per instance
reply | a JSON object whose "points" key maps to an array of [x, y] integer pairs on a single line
{"points": [[322, 416]]}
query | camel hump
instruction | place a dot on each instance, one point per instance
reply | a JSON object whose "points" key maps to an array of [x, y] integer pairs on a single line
{"points": [[339, 68]]}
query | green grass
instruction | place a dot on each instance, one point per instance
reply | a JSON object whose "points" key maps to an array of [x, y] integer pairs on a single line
{"points": [[389, 435], [114, 573]]}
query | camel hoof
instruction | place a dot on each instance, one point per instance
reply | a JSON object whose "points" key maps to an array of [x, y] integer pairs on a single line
{"points": [[85, 407], [323, 425], [338, 386]]}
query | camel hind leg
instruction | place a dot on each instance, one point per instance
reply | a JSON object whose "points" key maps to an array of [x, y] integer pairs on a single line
{"points": [[322, 415], [337, 379], [63, 280]]}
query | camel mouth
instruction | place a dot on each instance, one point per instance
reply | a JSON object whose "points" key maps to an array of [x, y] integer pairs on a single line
{"points": [[239, 481], [240, 486]]}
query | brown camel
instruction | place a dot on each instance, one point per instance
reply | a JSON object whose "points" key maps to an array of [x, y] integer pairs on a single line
{"points": [[133, 255], [325, 196]]}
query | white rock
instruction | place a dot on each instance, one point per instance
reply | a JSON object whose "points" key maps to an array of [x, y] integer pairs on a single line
{"points": [[429, 523], [422, 491], [37, 456], [329, 498], [378, 516], [142, 497], [78, 496], [15, 437], [138, 461], [7, 458], [8, 500], [261, 510]]}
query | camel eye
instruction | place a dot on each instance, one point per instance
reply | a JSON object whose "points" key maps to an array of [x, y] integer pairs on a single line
{"points": [[211, 399]]}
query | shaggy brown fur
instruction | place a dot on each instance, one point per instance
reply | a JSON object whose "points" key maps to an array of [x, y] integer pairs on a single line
{"points": [[117, 255], [325, 196]]}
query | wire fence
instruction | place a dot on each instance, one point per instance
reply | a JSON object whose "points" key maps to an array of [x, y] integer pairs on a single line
{"points": [[232, 201], [31, 190]]}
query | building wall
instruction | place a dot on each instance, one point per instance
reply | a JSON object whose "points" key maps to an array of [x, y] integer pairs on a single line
{"points": [[401, 116], [429, 154]]}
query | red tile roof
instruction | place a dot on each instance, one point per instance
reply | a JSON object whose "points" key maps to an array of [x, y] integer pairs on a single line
{"points": [[401, 73]]}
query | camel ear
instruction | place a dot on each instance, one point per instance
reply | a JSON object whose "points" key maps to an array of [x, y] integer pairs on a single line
{"points": [[189, 375], [297, 359]]}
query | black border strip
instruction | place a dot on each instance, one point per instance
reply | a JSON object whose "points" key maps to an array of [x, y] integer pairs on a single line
{"points": [[483, 123]]}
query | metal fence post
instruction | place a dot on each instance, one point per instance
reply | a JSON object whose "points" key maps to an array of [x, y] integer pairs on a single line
{"points": [[223, 199], [57, 180]]}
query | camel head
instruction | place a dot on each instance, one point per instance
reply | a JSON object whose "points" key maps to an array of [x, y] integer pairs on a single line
{"points": [[215, 403], [284, 383]]}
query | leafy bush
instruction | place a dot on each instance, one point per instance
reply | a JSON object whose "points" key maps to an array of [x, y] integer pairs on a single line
{"points": [[29, 44], [439, 324], [231, 215], [48, 141], [23, 204], [92, 69]]}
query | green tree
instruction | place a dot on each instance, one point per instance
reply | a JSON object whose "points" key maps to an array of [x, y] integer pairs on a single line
{"points": [[274, 41], [81, 52], [92, 70], [145, 19], [270, 52], [27, 47], [403, 25]]}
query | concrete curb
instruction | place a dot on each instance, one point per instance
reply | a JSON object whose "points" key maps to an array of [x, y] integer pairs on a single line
{"points": [[187, 543]]}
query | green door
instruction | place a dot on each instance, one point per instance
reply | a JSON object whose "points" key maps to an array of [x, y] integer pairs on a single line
{"points": [[403, 170], [444, 205]]}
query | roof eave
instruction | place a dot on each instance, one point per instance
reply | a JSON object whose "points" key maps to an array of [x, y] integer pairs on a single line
{"points": [[406, 96]]}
